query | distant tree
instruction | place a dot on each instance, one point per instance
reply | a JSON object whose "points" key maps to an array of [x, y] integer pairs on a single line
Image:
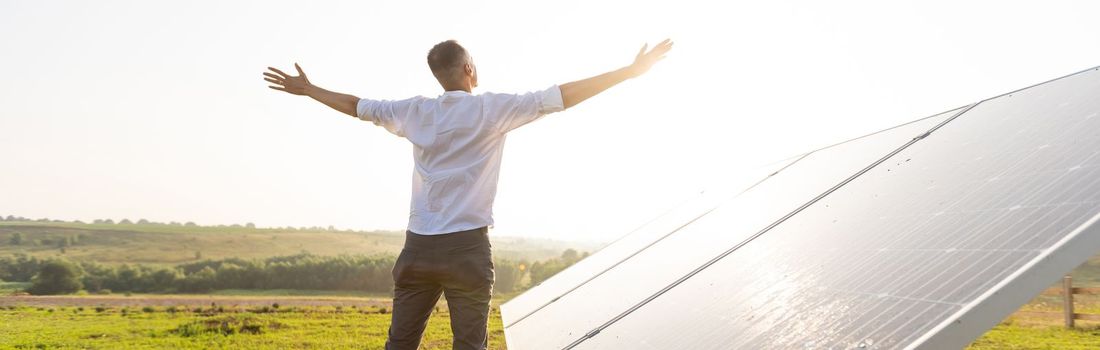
{"points": [[109, 222], [62, 250], [508, 275], [250, 225], [331, 228], [125, 222], [570, 255], [78, 222], [97, 221], [190, 224], [165, 278], [174, 223], [2, 218], [62, 243], [56, 277], [143, 222], [198, 255], [16, 239], [10, 218], [201, 281], [236, 226], [43, 220]]}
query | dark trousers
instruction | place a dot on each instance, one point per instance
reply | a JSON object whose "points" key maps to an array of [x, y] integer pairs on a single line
{"points": [[458, 265]]}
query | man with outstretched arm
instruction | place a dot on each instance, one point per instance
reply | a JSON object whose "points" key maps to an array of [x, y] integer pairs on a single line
{"points": [[458, 139]]}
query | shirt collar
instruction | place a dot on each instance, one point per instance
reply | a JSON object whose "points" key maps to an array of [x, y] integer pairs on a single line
{"points": [[455, 92]]}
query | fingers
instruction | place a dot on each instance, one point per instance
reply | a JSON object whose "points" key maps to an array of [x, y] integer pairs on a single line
{"points": [[273, 76], [276, 70], [642, 51], [277, 88], [273, 81], [300, 72], [664, 46]]}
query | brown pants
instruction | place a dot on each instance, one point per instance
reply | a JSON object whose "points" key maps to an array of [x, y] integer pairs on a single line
{"points": [[458, 265]]}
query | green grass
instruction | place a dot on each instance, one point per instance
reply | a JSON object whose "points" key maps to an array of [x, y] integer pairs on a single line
{"points": [[289, 328], [364, 327], [170, 245], [1011, 335]]}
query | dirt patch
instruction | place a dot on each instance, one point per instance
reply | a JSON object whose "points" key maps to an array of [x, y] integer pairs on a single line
{"points": [[187, 300]]}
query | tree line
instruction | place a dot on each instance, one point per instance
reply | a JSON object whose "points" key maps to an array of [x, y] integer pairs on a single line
{"points": [[249, 225], [300, 271]]}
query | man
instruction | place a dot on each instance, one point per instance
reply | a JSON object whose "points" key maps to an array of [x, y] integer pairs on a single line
{"points": [[458, 139]]}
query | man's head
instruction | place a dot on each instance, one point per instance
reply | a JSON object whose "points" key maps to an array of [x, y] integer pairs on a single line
{"points": [[452, 66]]}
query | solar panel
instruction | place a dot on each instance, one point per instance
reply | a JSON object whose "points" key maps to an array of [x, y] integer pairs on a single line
{"points": [[927, 249], [562, 320]]}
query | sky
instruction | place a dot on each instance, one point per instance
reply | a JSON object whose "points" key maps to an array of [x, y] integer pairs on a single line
{"points": [[158, 110]]}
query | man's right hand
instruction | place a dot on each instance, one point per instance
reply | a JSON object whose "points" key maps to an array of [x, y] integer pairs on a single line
{"points": [[300, 85], [285, 82]]}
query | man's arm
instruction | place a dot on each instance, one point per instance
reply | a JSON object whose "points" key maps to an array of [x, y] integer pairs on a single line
{"points": [[300, 85], [577, 91]]}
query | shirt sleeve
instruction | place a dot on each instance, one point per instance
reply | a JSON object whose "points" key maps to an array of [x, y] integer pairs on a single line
{"points": [[388, 114], [510, 111]]}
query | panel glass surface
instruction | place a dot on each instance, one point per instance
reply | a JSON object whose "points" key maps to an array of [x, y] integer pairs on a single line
{"points": [[897, 251], [563, 321], [537, 297]]}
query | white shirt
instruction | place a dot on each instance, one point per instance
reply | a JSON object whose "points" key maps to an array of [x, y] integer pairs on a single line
{"points": [[458, 141]]}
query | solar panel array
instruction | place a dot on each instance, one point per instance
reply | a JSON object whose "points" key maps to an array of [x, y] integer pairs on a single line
{"points": [[888, 241]]}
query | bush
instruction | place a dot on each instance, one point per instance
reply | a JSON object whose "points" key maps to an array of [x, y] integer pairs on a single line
{"points": [[148, 309], [56, 277]]}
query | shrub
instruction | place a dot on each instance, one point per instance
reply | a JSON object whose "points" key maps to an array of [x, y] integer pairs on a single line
{"points": [[56, 277]]}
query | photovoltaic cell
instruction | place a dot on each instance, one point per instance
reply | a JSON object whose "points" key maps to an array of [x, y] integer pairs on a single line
{"points": [[942, 232], [557, 324]]}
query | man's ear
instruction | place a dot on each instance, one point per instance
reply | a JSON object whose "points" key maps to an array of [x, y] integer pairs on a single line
{"points": [[469, 69]]}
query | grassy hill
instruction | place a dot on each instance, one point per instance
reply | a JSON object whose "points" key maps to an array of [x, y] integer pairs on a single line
{"points": [[173, 244]]}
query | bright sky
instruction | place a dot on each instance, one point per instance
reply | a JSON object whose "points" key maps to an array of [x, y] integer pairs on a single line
{"points": [[158, 110]]}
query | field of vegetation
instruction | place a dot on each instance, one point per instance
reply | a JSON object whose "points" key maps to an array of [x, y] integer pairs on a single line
{"points": [[251, 296], [256, 321], [213, 326], [170, 244]]}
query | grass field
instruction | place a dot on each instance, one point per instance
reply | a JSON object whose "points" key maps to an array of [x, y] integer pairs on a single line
{"points": [[248, 320], [157, 328], [170, 245]]}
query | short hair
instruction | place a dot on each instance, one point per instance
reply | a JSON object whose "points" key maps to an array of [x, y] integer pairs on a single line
{"points": [[446, 59]]}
